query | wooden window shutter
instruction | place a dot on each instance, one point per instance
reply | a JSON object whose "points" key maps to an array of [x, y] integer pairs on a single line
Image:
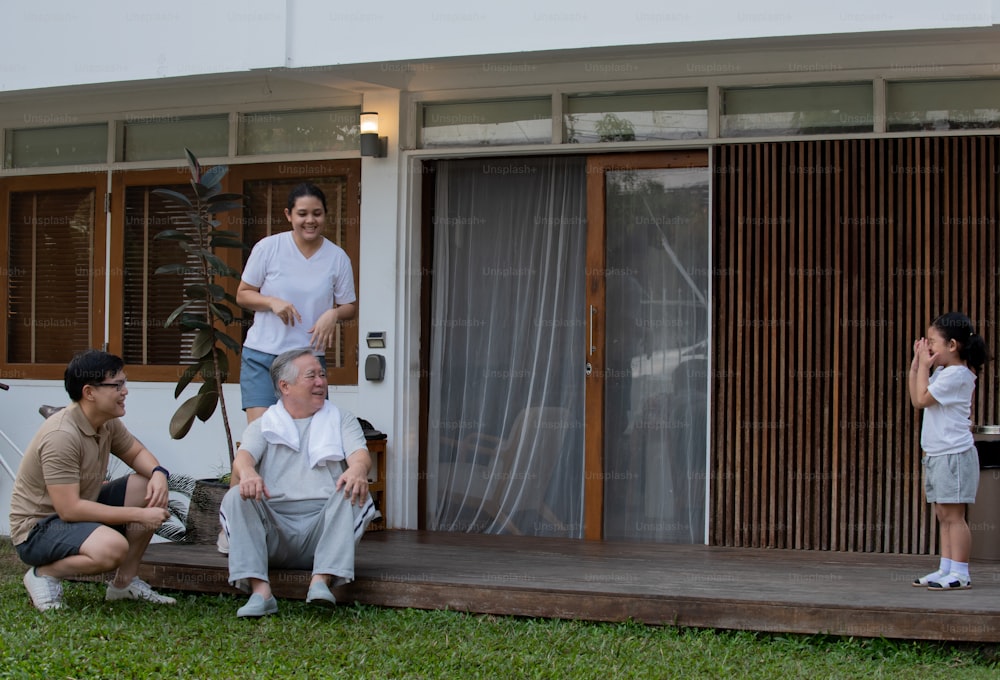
{"points": [[150, 298], [50, 286]]}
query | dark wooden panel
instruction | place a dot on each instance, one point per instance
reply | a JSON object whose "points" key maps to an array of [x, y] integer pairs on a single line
{"points": [[830, 258]]}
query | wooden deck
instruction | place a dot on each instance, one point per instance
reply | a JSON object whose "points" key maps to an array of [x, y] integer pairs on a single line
{"points": [[853, 594]]}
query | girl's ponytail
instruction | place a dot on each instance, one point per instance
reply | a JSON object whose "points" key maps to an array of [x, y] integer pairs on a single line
{"points": [[974, 352]]}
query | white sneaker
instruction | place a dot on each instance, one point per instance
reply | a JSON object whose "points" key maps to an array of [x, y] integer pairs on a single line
{"points": [[137, 590], [45, 591], [222, 543]]}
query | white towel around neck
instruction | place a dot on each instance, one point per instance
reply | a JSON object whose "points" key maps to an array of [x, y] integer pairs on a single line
{"points": [[325, 442]]}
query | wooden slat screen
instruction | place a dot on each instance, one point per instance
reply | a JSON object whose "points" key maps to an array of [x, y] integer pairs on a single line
{"points": [[830, 258]]}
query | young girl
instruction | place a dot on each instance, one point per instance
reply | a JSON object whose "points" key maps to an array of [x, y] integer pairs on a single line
{"points": [[952, 350]]}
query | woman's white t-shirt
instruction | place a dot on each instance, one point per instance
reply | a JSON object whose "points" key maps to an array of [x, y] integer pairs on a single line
{"points": [[947, 427], [279, 269]]}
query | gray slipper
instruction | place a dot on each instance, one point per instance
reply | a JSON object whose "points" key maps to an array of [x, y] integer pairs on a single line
{"points": [[319, 593], [257, 606]]}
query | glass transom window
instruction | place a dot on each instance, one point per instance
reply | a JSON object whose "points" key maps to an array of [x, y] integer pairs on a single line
{"points": [[66, 145], [943, 105], [636, 116], [487, 123], [299, 131], [149, 138], [797, 110]]}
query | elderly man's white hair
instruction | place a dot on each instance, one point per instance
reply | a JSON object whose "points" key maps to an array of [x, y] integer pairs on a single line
{"points": [[284, 367]]}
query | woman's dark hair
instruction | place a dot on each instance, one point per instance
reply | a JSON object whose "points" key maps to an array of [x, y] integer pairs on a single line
{"points": [[89, 368], [958, 327], [305, 189]]}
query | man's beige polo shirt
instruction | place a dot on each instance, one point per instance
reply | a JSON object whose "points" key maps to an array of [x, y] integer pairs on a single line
{"points": [[65, 450]]}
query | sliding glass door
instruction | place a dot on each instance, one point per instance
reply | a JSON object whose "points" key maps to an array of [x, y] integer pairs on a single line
{"points": [[568, 372]]}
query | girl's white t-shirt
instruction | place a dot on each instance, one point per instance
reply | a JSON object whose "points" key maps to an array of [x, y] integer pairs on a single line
{"points": [[278, 268], [947, 427]]}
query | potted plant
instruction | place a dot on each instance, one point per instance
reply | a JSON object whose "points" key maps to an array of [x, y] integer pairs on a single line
{"points": [[206, 311]]}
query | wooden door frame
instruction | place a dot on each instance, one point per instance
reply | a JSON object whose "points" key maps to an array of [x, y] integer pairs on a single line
{"points": [[597, 168]]}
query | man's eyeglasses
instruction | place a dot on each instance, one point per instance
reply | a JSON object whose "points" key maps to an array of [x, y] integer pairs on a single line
{"points": [[119, 386]]}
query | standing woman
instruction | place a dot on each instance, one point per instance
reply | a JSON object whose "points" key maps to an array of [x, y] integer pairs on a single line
{"points": [[299, 286]]}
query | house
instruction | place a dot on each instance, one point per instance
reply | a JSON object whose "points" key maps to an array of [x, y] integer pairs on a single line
{"points": [[643, 274]]}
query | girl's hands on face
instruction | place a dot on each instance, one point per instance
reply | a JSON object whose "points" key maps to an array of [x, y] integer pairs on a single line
{"points": [[922, 357]]}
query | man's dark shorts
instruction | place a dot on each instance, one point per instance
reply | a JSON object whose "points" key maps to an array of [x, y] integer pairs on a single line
{"points": [[53, 539]]}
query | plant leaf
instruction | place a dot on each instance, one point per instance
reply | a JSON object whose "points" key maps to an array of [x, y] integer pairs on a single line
{"points": [[223, 313], [214, 175], [218, 292], [223, 206], [194, 323], [175, 532], [227, 234], [193, 164], [175, 268], [207, 401], [228, 341], [183, 418], [196, 291], [175, 196], [215, 263], [229, 196], [202, 344], [186, 377], [174, 314], [201, 191], [172, 235], [224, 242], [182, 484]]}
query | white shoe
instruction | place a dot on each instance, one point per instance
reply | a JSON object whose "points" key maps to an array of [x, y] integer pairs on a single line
{"points": [[222, 543], [137, 590], [45, 591]]}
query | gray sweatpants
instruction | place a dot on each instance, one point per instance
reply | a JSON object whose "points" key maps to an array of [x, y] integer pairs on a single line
{"points": [[314, 535]]}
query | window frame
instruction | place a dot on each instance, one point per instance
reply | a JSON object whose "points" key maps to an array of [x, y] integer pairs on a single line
{"points": [[120, 183], [56, 182]]}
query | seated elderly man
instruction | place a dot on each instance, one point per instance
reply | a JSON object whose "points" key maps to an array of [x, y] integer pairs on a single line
{"points": [[302, 501]]}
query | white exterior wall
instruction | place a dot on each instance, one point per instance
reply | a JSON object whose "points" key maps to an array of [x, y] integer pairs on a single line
{"points": [[66, 42], [86, 47]]}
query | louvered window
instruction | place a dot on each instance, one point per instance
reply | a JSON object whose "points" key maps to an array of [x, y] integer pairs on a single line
{"points": [[150, 298], [49, 282]]}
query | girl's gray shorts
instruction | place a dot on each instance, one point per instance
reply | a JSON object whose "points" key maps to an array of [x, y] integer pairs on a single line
{"points": [[951, 477]]}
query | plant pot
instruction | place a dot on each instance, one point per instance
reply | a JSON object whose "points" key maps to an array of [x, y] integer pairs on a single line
{"points": [[203, 514]]}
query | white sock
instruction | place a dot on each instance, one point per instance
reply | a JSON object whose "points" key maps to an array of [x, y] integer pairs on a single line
{"points": [[960, 568], [945, 566]]}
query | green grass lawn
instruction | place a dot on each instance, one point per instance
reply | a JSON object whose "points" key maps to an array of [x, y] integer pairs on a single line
{"points": [[200, 637]]}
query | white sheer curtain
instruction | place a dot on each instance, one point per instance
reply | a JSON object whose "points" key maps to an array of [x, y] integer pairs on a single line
{"points": [[506, 403]]}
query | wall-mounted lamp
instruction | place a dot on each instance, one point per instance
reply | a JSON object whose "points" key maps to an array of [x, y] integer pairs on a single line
{"points": [[371, 144], [376, 339]]}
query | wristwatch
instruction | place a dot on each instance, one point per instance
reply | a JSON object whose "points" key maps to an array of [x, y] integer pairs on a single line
{"points": [[160, 468]]}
